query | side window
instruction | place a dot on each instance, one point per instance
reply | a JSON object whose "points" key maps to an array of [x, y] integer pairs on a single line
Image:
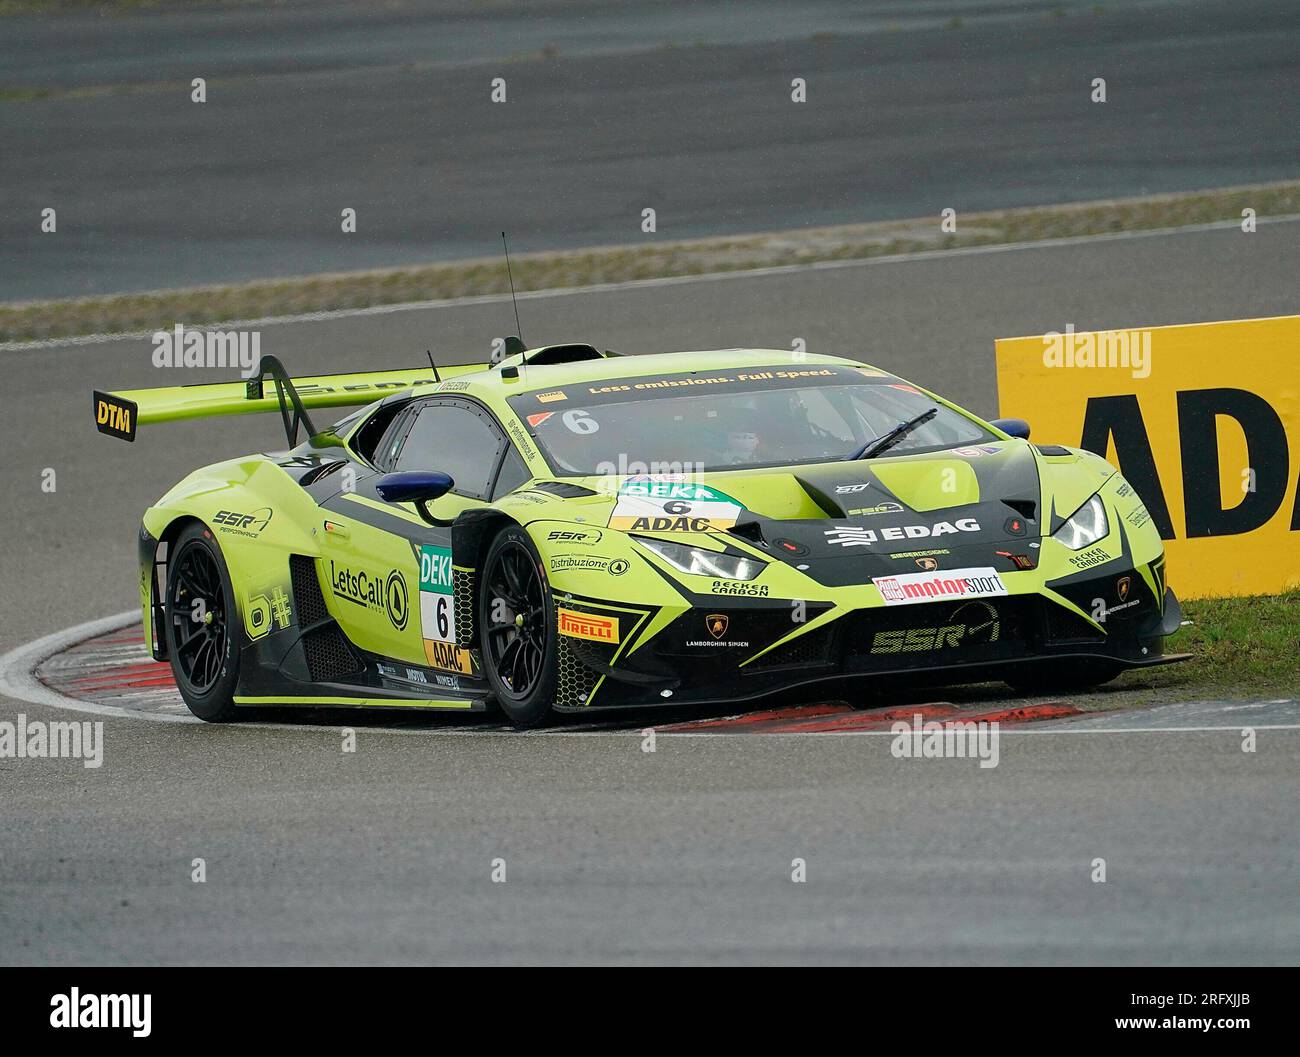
{"points": [[377, 438], [456, 440], [513, 473]]}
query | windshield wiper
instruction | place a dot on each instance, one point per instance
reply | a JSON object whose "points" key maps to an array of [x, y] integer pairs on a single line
{"points": [[886, 441]]}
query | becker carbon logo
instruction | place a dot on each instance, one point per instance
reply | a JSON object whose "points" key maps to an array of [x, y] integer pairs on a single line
{"points": [[361, 588]]}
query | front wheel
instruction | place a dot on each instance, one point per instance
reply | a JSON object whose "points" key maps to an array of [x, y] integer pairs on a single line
{"points": [[517, 633], [202, 625]]}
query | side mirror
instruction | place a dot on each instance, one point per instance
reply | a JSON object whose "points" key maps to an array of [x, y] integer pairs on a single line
{"points": [[1015, 427], [418, 487]]}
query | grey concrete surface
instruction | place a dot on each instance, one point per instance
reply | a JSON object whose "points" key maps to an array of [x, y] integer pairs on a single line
{"points": [[681, 107]]}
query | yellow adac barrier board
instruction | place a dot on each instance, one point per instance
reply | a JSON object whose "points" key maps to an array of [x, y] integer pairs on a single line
{"points": [[1202, 419]]}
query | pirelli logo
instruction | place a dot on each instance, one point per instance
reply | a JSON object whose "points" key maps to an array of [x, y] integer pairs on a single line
{"points": [[586, 626]]}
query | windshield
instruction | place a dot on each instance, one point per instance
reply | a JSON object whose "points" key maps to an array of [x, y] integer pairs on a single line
{"points": [[735, 419]]}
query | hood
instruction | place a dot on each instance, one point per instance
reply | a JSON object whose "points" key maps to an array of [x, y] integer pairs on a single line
{"points": [[978, 506]]}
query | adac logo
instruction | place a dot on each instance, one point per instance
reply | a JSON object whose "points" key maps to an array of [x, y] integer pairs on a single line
{"points": [[717, 624], [1122, 587]]}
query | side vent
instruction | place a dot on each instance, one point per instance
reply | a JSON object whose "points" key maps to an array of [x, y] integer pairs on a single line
{"points": [[328, 652], [307, 599]]}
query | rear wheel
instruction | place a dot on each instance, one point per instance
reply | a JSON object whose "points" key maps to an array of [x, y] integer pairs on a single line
{"points": [[202, 625], [1063, 677], [517, 634]]}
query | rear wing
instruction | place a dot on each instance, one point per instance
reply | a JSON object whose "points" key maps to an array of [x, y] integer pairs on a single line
{"points": [[119, 414]]}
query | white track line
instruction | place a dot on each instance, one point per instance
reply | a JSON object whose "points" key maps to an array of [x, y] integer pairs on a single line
{"points": [[18, 681], [638, 284], [18, 670]]}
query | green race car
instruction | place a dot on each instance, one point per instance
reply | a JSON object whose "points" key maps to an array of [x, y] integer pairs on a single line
{"points": [[569, 530]]}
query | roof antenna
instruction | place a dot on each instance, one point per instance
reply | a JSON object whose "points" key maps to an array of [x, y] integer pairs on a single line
{"points": [[436, 377], [510, 275]]}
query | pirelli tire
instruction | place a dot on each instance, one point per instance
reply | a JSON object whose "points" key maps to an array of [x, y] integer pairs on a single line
{"points": [[202, 625], [517, 629]]}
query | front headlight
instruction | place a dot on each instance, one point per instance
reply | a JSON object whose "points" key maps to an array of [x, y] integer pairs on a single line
{"points": [[700, 562], [1085, 526]]}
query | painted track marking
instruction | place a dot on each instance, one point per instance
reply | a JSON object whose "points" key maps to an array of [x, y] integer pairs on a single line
{"points": [[19, 680]]}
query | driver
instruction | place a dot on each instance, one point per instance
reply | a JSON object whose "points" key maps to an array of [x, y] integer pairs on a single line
{"points": [[735, 433]]}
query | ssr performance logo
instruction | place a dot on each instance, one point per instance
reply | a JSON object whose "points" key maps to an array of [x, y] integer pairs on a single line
{"points": [[75, 1010], [252, 524], [972, 623], [387, 595]]}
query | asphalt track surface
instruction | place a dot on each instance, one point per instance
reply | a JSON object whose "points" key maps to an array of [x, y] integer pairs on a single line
{"points": [[683, 107], [612, 854]]}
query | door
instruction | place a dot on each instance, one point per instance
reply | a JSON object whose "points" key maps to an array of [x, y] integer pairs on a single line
{"points": [[388, 570]]}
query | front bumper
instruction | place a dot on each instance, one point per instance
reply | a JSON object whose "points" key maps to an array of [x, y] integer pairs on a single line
{"points": [[717, 653]]}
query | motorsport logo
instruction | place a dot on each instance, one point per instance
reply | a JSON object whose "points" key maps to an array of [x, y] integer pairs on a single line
{"points": [[856, 536], [383, 596], [910, 588], [252, 525]]}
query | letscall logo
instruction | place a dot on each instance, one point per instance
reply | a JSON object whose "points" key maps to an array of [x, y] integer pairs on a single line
{"points": [[856, 536], [75, 1010], [241, 524], [388, 596]]}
